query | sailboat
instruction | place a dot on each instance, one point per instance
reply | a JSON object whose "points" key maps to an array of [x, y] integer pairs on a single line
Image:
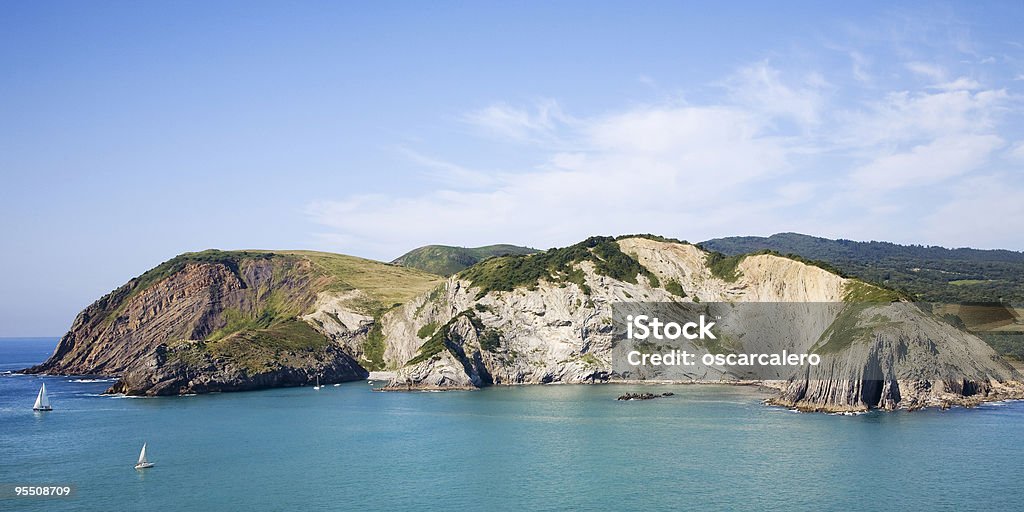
{"points": [[143, 463], [317, 387], [42, 401]]}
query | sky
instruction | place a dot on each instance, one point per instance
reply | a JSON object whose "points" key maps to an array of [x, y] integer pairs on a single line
{"points": [[134, 131]]}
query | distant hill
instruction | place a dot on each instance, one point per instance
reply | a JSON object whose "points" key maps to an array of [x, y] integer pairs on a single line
{"points": [[446, 260], [927, 273]]}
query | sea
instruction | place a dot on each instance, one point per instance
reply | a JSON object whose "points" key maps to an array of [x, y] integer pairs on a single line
{"points": [[550, 447]]}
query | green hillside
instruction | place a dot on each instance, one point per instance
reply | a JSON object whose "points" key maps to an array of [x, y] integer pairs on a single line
{"points": [[447, 260]]}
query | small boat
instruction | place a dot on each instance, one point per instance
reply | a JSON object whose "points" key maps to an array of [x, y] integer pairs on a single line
{"points": [[42, 401], [317, 387], [143, 463]]}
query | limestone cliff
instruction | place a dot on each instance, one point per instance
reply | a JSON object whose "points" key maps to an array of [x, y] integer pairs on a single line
{"points": [[555, 326]]}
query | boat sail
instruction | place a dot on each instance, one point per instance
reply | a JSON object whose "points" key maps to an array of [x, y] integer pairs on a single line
{"points": [[143, 463], [42, 401], [317, 387]]}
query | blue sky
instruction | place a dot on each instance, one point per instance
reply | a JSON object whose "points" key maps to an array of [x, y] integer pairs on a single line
{"points": [[131, 131]]}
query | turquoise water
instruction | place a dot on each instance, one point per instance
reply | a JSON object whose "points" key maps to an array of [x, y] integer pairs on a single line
{"points": [[524, 448]]}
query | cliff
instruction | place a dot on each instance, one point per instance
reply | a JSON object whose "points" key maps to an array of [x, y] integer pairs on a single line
{"points": [[223, 321], [548, 318], [231, 321]]}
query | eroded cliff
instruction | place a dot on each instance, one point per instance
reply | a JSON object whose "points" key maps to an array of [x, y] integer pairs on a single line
{"points": [[555, 325], [225, 321]]}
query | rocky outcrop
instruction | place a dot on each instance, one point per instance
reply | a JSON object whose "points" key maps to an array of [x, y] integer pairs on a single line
{"points": [[112, 334], [179, 371], [562, 332], [234, 321], [897, 356], [643, 396]]}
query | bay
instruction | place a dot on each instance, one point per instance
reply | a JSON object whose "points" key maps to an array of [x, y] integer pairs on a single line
{"points": [[555, 447]]}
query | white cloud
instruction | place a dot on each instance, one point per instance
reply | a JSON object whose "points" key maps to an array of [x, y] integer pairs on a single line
{"points": [[913, 117], [521, 125], [932, 71], [645, 169], [774, 154], [943, 158], [859, 67], [760, 88], [449, 173], [960, 84]]}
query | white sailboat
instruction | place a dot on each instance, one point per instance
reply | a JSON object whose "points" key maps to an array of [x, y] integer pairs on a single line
{"points": [[42, 401], [143, 463], [317, 387]]}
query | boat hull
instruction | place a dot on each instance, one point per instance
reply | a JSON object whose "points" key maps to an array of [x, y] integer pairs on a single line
{"points": [[42, 409], [144, 465]]}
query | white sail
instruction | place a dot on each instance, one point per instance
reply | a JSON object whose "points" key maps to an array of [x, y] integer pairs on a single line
{"points": [[42, 401], [142, 455]]}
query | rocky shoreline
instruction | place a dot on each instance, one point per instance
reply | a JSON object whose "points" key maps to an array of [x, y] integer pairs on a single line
{"points": [[995, 392]]}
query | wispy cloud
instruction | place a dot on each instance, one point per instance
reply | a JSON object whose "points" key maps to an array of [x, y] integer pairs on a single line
{"points": [[859, 65], [778, 149], [760, 88], [932, 71], [926, 164], [960, 84], [448, 172], [539, 125]]}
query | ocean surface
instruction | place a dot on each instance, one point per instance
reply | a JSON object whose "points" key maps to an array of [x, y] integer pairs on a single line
{"points": [[561, 447]]}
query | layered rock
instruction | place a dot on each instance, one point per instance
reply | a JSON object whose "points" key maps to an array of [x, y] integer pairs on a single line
{"points": [[232, 321], [113, 333], [899, 357], [180, 370], [560, 330]]}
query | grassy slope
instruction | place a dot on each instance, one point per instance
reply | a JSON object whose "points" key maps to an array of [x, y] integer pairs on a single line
{"points": [[385, 284], [447, 260]]}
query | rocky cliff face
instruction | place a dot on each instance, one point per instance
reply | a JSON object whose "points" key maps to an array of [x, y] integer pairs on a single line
{"points": [[217, 321], [180, 370], [898, 357], [560, 330], [228, 321], [110, 335]]}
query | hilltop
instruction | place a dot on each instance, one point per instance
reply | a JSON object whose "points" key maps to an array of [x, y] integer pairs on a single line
{"points": [[446, 260]]}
